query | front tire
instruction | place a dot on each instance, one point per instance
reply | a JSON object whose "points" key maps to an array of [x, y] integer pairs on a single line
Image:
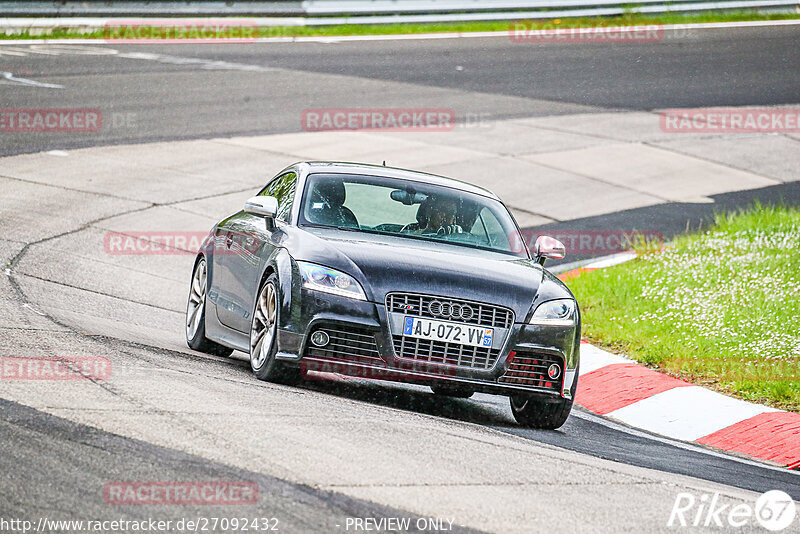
{"points": [[263, 337], [446, 390], [196, 314], [543, 414]]}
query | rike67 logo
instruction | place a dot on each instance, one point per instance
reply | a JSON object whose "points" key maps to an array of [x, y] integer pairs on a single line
{"points": [[774, 510]]}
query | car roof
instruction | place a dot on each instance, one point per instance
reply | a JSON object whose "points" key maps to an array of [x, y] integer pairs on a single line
{"points": [[341, 167]]}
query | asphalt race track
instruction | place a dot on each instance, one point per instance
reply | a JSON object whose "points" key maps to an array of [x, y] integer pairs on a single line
{"points": [[208, 90], [338, 448]]}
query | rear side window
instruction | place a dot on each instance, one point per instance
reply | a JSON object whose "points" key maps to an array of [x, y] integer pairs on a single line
{"points": [[282, 188]]}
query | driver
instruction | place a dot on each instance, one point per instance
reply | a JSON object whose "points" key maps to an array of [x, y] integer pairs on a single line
{"points": [[436, 215]]}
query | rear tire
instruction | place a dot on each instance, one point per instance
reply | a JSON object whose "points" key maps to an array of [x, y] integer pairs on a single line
{"points": [[196, 314], [263, 338], [457, 392]]}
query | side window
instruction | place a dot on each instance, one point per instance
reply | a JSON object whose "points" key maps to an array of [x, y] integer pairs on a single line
{"points": [[282, 188], [488, 228]]}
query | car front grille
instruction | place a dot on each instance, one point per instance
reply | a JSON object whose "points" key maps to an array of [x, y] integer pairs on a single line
{"points": [[461, 311], [529, 369], [346, 344], [456, 354]]}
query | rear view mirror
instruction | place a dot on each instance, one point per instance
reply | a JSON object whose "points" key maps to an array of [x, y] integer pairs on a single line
{"points": [[548, 248], [408, 197], [262, 206]]}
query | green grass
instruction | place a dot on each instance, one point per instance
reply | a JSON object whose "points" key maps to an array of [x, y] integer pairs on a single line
{"points": [[720, 309], [392, 29]]}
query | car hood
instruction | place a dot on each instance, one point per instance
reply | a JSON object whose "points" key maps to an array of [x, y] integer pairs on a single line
{"points": [[385, 264]]}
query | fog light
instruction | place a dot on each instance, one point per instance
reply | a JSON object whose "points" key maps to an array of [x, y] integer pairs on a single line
{"points": [[320, 338], [554, 371]]}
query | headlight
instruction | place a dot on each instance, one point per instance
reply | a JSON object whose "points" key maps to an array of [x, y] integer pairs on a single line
{"points": [[559, 312], [328, 280]]}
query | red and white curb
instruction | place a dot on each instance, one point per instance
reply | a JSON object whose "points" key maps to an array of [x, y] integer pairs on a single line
{"points": [[606, 261], [620, 389]]}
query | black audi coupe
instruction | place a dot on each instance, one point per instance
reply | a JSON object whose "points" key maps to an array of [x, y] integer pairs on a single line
{"points": [[391, 274]]}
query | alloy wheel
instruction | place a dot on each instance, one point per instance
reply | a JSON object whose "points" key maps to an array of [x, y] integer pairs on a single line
{"points": [[262, 332], [197, 300]]}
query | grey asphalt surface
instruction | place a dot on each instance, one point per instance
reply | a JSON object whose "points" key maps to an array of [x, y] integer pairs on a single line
{"points": [[584, 433], [157, 92], [151, 93], [57, 469]]}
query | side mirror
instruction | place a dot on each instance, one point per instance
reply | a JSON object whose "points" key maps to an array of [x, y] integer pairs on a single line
{"points": [[262, 206], [548, 248]]}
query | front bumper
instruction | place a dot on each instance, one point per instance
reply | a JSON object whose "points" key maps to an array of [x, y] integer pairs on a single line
{"points": [[362, 344]]}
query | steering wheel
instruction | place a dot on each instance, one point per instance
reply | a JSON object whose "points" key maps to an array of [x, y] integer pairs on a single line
{"points": [[450, 229]]}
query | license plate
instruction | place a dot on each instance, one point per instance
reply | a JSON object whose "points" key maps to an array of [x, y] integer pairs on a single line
{"points": [[473, 336]]}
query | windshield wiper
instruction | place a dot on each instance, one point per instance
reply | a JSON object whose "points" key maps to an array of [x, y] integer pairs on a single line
{"points": [[347, 228]]}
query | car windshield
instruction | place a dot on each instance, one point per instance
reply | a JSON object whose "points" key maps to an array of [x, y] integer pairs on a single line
{"points": [[412, 210]]}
